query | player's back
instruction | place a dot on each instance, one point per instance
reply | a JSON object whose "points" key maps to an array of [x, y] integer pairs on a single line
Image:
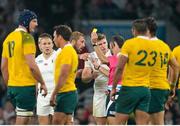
{"points": [[158, 76], [17, 44], [141, 60]]}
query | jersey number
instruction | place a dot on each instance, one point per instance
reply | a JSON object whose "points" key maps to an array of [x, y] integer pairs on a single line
{"points": [[11, 46], [142, 62], [164, 59]]}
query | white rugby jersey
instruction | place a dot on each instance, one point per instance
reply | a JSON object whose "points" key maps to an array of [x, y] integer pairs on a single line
{"points": [[46, 67], [101, 81]]}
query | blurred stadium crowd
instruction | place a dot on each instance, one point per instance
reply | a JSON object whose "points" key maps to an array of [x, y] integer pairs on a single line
{"points": [[70, 12]]}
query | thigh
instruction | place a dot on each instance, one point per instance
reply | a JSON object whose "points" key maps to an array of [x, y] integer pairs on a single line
{"points": [[158, 100], [141, 117], [127, 100], [121, 119], [144, 99], [157, 118], [44, 110], [11, 93], [24, 99], [66, 102], [99, 105], [110, 106], [43, 106]]}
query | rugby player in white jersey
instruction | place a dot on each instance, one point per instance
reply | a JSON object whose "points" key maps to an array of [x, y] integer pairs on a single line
{"points": [[100, 84], [45, 62]]}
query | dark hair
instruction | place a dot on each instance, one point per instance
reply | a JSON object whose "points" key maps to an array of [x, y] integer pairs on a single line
{"points": [[44, 35], [101, 36], [63, 30], [152, 26], [75, 35], [118, 39], [140, 26]]}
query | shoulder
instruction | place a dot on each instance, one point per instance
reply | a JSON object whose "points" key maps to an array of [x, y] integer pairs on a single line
{"points": [[163, 45], [68, 52], [69, 49], [131, 41], [54, 54], [58, 50], [10, 36], [177, 48], [129, 44], [39, 58], [26, 37]]}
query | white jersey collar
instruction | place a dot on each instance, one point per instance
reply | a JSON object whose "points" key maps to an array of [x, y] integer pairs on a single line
{"points": [[69, 44], [20, 29], [154, 38], [143, 37], [108, 53]]}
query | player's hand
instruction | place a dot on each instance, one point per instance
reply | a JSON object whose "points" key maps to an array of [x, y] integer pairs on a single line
{"points": [[112, 94], [53, 100], [79, 73], [169, 103], [84, 56], [96, 64], [94, 74], [107, 92], [43, 87], [173, 90], [94, 37]]}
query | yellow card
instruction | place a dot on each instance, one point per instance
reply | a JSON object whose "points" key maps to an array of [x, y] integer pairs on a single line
{"points": [[94, 30]]}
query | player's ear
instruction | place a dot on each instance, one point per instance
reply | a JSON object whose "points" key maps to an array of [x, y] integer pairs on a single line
{"points": [[73, 42], [39, 45]]}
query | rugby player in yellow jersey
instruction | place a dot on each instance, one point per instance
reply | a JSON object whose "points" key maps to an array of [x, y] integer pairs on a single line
{"points": [[66, 64], [19, 69], [135, 63], [159, 85]]}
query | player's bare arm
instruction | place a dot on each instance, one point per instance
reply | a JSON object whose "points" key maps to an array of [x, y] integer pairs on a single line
{"points": [[87, 75], [30, 60], [174, 70], [62, 80], [98, 51], [83, 56], [122, 60], [4, 69], [101, 69]]}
